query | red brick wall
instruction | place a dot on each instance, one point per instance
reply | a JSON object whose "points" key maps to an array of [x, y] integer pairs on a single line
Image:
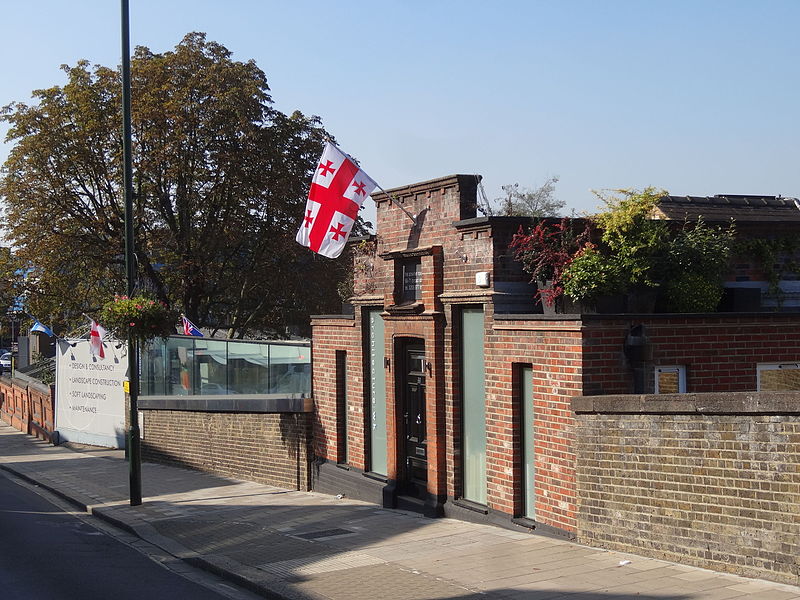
{"points": [[27, 408], [568, 357], [331, 335], [465, 252], [720, 352], [449, 260], [553, 350]]}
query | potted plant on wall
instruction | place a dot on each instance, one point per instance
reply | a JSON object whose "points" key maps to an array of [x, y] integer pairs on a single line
{"points": [[593, 280], [624, 259], [634, 257], [545, 252], [637, 242], [139, 317]]}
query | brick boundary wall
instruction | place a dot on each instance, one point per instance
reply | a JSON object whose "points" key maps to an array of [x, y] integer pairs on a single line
{"points": [[274, 449], [28, 407], [711, 480], [693, 340]]}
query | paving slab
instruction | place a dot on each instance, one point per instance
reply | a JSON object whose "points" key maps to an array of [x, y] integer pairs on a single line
{"points": [[299, 545]]}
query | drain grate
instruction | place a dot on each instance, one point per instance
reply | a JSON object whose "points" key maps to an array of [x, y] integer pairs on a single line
{"points": [[325, 533]]}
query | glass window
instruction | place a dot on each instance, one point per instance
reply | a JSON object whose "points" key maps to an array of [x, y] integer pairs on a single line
{"points": [[182, 366], [527, 439], [778, 377], [378, 443], [474, 404], [410, 280]]}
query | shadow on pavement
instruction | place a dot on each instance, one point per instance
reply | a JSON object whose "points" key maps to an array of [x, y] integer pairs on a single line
{"points": [[509, 594], [313, 542]]}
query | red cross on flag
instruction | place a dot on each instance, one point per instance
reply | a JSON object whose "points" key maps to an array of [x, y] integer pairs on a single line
{"points": [[96, 340], [338, 190]]}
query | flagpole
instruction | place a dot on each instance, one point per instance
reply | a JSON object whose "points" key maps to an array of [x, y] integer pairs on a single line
{"points": [[397, 202], [392, 198], [134, 435]]}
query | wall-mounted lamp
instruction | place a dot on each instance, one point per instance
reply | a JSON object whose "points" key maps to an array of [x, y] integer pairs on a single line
{"points": [[429, 367], [386, 362]]}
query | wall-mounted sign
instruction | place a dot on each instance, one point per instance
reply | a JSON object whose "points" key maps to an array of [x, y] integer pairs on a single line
{"points": [[90, 397]]}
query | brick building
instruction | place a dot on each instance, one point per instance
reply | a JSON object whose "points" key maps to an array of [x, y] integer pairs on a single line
{"points": [[446, 392]]}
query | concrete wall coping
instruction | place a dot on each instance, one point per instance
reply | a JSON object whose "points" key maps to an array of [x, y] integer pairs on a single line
{"points": [[588, 317], [713, 403], [22, 380], [261, 403], [537, 317], [331, 317]]}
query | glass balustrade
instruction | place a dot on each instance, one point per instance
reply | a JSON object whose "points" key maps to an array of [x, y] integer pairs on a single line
{"points": [[194, 366]]}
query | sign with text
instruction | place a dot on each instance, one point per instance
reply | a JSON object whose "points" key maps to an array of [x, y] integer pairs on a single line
{"points": [[90, 399]]}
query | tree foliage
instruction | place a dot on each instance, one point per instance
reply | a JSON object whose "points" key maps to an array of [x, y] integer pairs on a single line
{"points": [[220, 182], [635, 240], [525, 202]]}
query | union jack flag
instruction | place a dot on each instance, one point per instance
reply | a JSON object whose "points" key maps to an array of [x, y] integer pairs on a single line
{"points": [[189, 328]]}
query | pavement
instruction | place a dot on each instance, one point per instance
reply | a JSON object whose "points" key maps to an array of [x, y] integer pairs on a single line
{"points": [[296, 545]]}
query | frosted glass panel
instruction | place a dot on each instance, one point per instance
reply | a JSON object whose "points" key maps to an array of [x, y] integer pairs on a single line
{"points": [[377, 388], [474, 406], [528, 456]]}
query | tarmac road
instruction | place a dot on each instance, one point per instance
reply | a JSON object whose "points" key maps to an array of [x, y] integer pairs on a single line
{"points": [[49, 554]]}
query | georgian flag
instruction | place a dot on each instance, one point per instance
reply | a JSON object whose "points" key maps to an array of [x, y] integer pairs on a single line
{"points": [[338, 190]]}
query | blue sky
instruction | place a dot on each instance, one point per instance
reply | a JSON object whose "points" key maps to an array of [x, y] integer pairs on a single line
{"points": [[697, 97]]}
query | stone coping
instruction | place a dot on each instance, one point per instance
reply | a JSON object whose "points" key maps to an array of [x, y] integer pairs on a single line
{"points": [[538, 317], [712, 403], [646, 316], [261, 403], [22, 381], [348, 317]]}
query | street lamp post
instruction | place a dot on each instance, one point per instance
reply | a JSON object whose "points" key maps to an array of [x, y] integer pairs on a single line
{"points": [[134, 437]]}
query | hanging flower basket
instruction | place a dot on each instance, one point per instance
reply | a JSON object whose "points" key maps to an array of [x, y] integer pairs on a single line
{"points": [[139, 317]]}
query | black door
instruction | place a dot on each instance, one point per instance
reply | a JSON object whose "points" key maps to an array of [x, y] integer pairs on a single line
{"points": [[413, 392]]}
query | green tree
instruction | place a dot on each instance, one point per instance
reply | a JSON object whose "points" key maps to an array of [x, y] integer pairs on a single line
{"points": [[524, 202], [220, 183], [636, 241], [10, 280], [697, 261]]}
